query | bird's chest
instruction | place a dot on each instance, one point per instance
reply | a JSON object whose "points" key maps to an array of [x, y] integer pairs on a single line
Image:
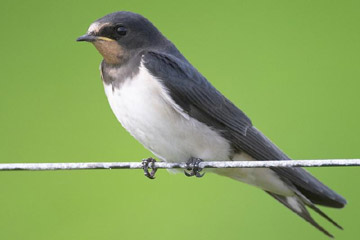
{"points": [[138, 105], [145, 109]]}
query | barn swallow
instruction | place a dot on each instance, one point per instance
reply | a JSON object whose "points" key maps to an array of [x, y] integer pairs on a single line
{"points": [[169, 107]]}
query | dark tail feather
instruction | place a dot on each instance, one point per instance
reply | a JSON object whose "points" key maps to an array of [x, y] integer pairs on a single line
{"points": [[310, 187], [311, 205], [297, 205]]}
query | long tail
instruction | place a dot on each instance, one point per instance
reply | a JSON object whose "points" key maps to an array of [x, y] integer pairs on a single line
{"points": [[298, 203]]}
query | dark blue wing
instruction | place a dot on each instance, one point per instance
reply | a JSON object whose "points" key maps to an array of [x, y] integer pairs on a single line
{"points": [[193, 93]]}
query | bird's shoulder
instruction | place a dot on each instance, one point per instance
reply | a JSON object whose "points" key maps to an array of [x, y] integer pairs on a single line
{"points": [[194, 93]]}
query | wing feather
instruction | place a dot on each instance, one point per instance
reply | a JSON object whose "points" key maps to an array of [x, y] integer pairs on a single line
{"points": [[200, 100]]}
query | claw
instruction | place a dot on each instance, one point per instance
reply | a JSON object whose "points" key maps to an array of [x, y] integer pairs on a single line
{"points": [[198, 174], [149, 163], [193, 168], [188, 174]]}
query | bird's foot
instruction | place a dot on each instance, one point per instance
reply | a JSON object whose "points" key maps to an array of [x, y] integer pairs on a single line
{"points": [[192, 168], [149, 163]]}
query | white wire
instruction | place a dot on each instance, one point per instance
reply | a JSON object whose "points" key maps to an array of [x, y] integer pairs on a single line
{"points": [[215, 164]]}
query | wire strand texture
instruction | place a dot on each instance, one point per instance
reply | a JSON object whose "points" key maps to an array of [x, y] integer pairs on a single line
{"points": [[166, 165]]}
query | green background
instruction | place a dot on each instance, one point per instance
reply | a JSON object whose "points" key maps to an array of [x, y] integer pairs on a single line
{"points": [[292, 66]]}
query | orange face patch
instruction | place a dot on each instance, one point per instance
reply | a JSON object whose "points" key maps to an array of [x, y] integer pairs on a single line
{"points": [[110, 50]]}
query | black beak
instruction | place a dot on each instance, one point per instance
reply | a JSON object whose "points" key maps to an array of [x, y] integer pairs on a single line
{"points": [[87, 38]]}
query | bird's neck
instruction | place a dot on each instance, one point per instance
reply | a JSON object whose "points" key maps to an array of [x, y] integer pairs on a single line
{"points": [[117, 73]]}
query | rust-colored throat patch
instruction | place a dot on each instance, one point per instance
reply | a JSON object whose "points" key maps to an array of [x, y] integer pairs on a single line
{"points": [[110, 50]]}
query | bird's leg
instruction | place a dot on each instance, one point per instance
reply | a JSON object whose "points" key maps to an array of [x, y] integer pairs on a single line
{"points": [[149, 163], [192, 167]]}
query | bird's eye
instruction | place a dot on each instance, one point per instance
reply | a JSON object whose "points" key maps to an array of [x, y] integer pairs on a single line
{"points": [[121, 30]]}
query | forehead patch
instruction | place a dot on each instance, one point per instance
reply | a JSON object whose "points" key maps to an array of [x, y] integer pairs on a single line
{"points": [[96, 26]]}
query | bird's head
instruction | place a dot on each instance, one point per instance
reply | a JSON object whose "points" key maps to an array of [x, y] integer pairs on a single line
{"points": [[118, 35]]}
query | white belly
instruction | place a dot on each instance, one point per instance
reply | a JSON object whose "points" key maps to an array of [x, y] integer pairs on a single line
{"points": [[145, 110]]}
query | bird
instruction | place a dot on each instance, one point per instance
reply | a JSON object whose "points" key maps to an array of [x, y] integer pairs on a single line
{"points": [[165, 103]]}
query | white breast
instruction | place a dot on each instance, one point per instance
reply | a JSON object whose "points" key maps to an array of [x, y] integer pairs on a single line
{"points": [[146, 110]]}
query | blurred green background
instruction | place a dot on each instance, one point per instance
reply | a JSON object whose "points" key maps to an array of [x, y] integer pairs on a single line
{"points": [[292, 66]]}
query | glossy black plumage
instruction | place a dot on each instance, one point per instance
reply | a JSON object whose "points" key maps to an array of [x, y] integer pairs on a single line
{"points": [[201, 100]]}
